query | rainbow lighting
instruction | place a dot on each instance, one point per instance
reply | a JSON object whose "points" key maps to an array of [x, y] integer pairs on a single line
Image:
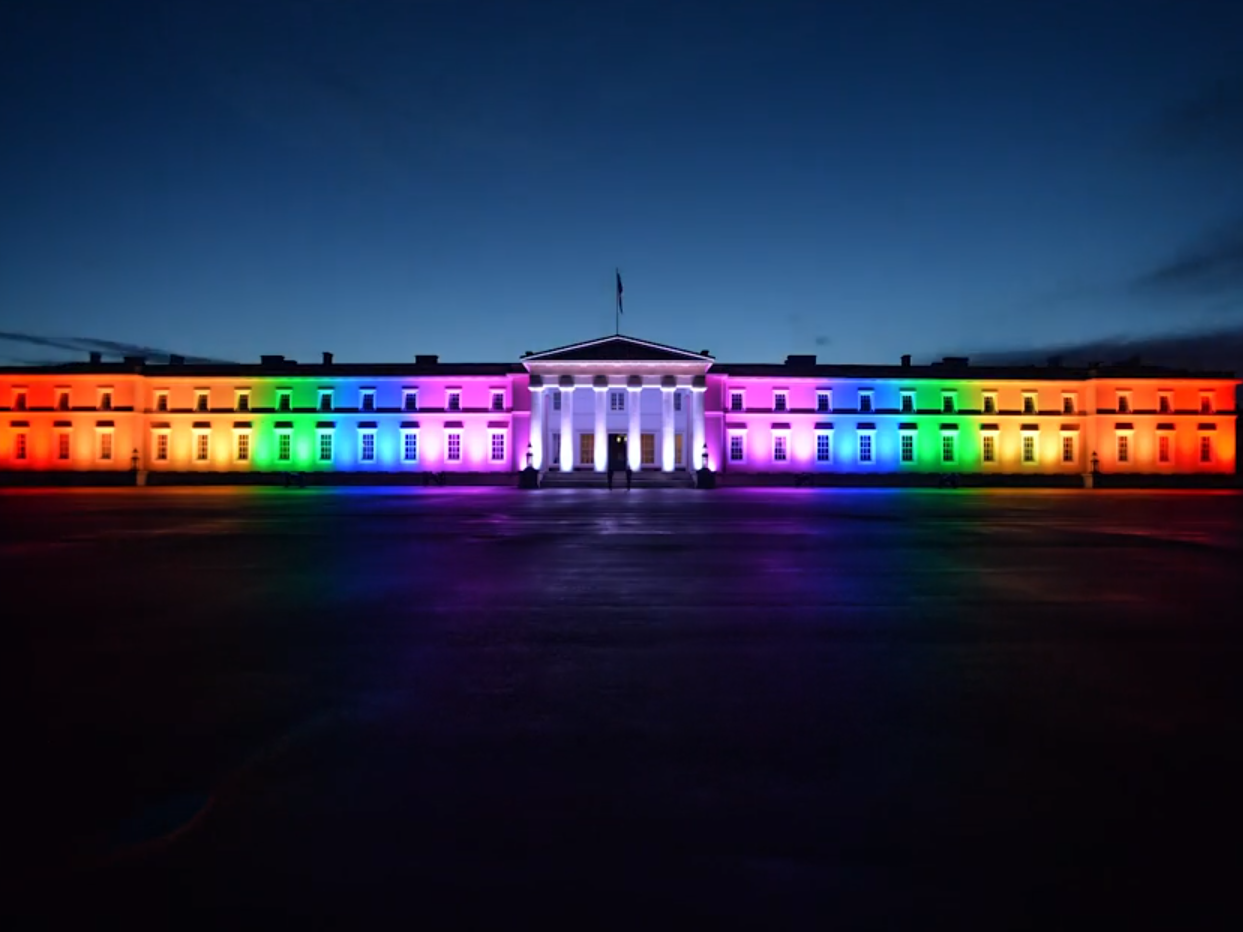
{"points": [[612, 402]]}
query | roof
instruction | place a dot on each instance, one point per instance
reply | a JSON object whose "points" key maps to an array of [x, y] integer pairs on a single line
{"points": [[617, 348], [939, 371], [287, 369]]}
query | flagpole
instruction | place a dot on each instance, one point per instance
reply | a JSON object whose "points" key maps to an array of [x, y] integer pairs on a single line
{"points": [[617, 304]]}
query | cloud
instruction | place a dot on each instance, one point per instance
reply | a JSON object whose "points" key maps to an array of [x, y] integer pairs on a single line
{"points": [[1213, 265], [1210, 350], [1210, 122], [115, 348]]}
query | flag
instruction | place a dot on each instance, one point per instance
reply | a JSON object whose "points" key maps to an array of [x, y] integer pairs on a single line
{"points": [[619, 293]]}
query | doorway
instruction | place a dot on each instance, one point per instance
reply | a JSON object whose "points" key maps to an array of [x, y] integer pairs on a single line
{"points": [[617, 452]]}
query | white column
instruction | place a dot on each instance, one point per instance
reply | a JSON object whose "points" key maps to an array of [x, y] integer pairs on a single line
{"points": [[666, 428], [697, 428], [634, 443], [567, 429], [602, 437], [537, 430]]}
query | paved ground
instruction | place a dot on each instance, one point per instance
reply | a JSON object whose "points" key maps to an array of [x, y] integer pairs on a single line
{"points": [[887, 708]]}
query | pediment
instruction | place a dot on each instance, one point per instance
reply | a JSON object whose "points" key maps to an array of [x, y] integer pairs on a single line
{"points": [[617, 349]]}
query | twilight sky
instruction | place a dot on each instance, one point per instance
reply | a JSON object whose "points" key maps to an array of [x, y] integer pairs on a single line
{"points": [[853, 179]]}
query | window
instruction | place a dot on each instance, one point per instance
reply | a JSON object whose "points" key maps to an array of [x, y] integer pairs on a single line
{"points": [[737, 401], [1165, 404], [1068, 448], [19, 401], [1029, 448], [241, 449], [949, 402], [19, 446], [202, 446], [677, 401], [105, 445], [906, 443], [1069, 404], [200, 400], [1029, 402], [865, 402], [366, 399], [284, 399], [865, 448], [947, 448], [988, 448], [1206, 449], [1206, 406], [325, 446], [410, 447], [498, 447], [105, 399], [62, 445], [325, 399], [781, 401], [735, 448], [453, 447], [647, 450], [824, 402], [1124, 448], [243, 400], [990, 402], [908, 402], [161, 401], [161, 446], [617, 401], [366, 446], [409, 399], [498, 401], [1124, 402], [1163, 449], [284, 446], [586, 449], [62, 400], [824, 447], [780, 442], [556, 401], [453, 401]]}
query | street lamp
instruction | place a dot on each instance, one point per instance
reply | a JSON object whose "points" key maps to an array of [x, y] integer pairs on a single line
{"points": [[530, 456]]}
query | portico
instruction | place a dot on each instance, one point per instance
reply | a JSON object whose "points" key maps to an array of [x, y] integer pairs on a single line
{"points": [[653, 395]]}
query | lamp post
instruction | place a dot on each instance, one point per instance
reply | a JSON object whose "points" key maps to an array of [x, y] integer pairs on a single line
{"points": [[704, 459], [530, 456]]}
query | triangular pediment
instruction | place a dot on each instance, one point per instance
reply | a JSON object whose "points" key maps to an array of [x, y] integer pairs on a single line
{"points": [[617, 349]]}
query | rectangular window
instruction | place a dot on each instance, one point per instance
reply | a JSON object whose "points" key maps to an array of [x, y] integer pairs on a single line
{"points": [[617, 401], [105, 399], [1206, 449], [1029, 448], [736, 401], [366, 399], [409, 399], [647, 450], [677, 401], [498, 447], [1124, 402], [1068, 404], [62, 445], [556, 401], [410, 447], [200, 400], [824, 447], [988, 448], [1068, 448], [908, 402], [865, 402], [990, 402], [105, 444], [907, 445], [586, 449], [453, 447], [498, 401], [62, 400], [243, 401], [284, 446], [366, 446], [824, 402], [865, 448], [284, 399], [947, 448], [453, 401], [161, 401], [325, 399], [949, 403], [243, 446], [1124, 448], [19, 401], [1163, 449], [677, 449], [780, 401], [202, 446], [1029, 402], [161, 446], [1206, 406], [19, 446], [1165, 404], [735, 448], [779, 447], [325, 446]]}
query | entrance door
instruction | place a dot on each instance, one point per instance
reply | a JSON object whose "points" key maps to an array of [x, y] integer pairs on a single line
{"points": [[617, 452]]}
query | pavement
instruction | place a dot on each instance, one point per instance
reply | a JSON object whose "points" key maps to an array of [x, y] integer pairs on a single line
{"points": [[753, 708]]}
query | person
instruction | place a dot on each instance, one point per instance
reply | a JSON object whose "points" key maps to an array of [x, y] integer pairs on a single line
{"points": [[629, 476], [610, 472]]}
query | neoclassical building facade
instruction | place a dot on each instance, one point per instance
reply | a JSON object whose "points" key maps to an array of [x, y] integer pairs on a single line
{"points": [[611, 403]]}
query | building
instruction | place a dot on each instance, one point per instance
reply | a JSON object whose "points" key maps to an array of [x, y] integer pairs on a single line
{"points": [[613, 401]]}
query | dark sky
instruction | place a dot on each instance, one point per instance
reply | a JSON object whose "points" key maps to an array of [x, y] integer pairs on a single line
{"points": [[858, 180]]}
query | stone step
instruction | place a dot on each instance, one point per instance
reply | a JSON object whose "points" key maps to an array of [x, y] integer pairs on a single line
{"points": [[595, 480]]}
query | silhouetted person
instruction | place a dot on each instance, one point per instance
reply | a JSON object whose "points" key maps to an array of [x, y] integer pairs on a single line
{"points": [[629, 476], [610, 472]]}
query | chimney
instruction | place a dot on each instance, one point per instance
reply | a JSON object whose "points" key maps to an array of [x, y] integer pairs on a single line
{"points": [[271, 360], [96, 357], [327, 359], [906, 360], [175, 360], [426, 360], [704, 352], [800, 360]]}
